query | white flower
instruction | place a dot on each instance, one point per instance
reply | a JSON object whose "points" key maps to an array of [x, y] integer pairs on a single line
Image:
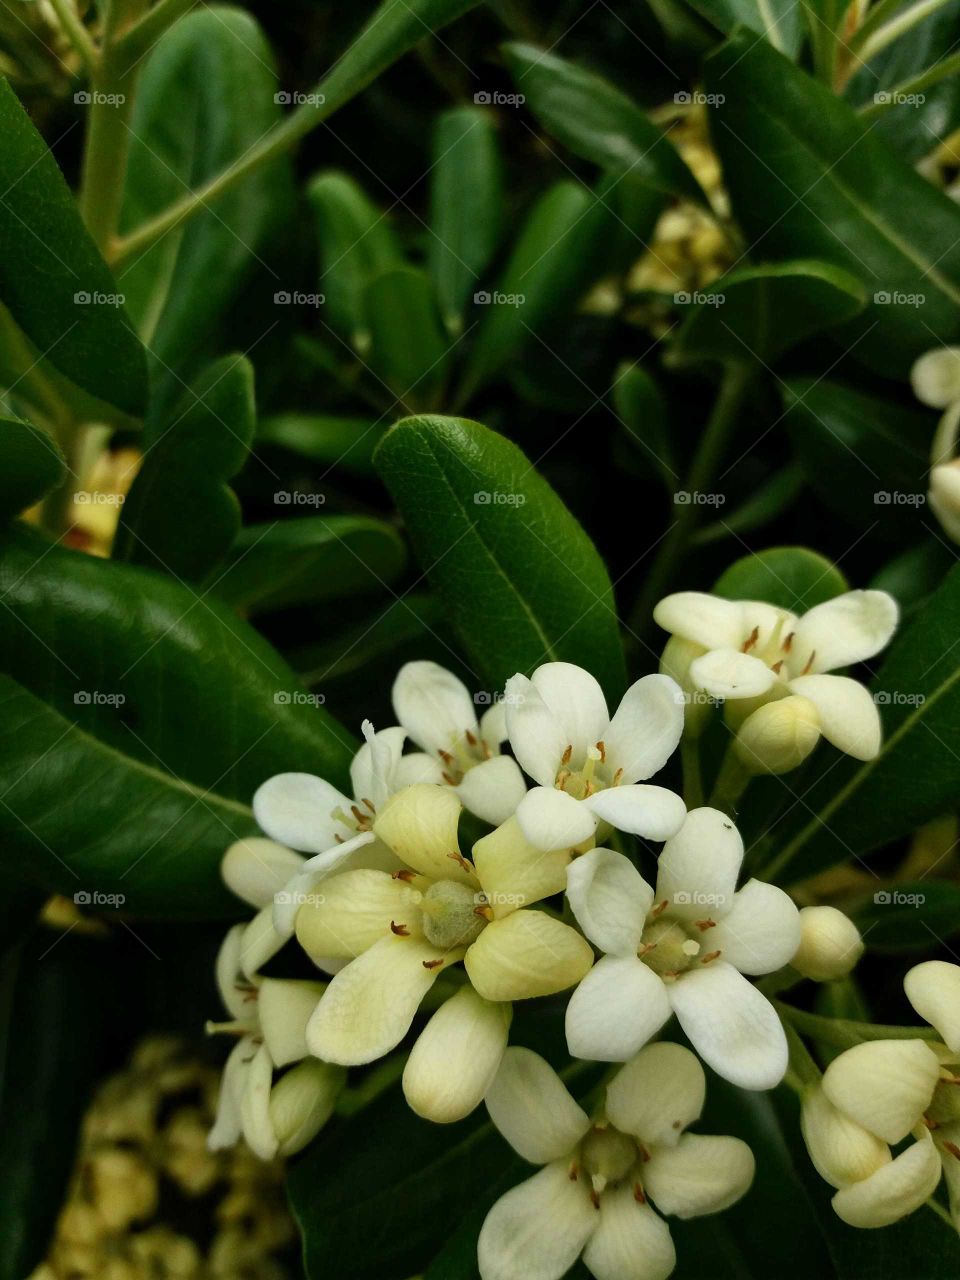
{"points": [[587, 765], [935, 377], [399, 932], [270, 1018], [754, 653], [592, 1197], [830, 944], [682, 949]]}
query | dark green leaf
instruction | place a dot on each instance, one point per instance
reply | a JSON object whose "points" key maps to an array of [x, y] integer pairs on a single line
{"points": [[324, 438], [758, 313], [793, 578], [309, 560], [769, 501], [31, 464], [642, 409], [181, 516], [52, 277], [915, 574], [779, 21], [408, 347], [521, 580], [808, 179], [409, 621], [908, 916]]}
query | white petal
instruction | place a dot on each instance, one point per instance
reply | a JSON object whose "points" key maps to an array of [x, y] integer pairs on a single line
{"points": [[728, 673], [299, 888], [533, 1109], [701, 1174], [420, 825], [456, 1057], [433, 705], [536, 735], [884, 1085], [935, 377], [610, 900], [731, 1025], [527, 954], [576, 700], [492, 790], [260, 942], [551, 819], [657, 1094], [255, 869], [646, 729], [699, 866], [258, 1131], [369, 1006], [933, 988], [615, 1010], [896, 1189], [373, 767], [227, 1125], [284, 1007], [233, 987], [631, 1242], [842, 1151], [850, 628], [538, 1229], [296, 809], [762, 931], [848, 714], [493, 725], [417, 767], [704, 619], [644, 810]]}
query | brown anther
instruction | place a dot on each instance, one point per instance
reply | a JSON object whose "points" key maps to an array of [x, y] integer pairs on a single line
{"points": [[616, 777], [485, 748], [644, 1153], [671, 974], [457, 856], [638, 1194], [704, 925], [445, 756], [595, 1199], [677, 1124], [360, 817], [562, 777], [486, 913], [370, 805], [602, 748], [788, 643], [400, 930], [565, 758], [777, 667], [645, 947], [573, 1173], [339, 839], [449, 779], [931, 1124], [588, 789], [660, 908], [432, 964], [405, 875], [953, 1149], [710, 957], [751, 640], [806, 669], [471, 738]]}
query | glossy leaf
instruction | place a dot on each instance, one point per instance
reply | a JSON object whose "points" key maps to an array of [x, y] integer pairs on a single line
{"points": [[770, 500], [406, 623], [780, 21], [408, 347], [181, 517], [915, 574], [326, 438], [758, 313], [808, 179], [793, 578], [31, 464], [311, 559], [522, 582], [909, 916], [52, 278]]}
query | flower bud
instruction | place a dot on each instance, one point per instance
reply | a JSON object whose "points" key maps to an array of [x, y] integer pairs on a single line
{"points": [[256, 868], [933, 988], [830, 944], [935, 377], [675, 662], [896, 1189], [779, 736], [884, 1085], [944, 497], [841, 1150], [302, 1101], [456, 1057]]}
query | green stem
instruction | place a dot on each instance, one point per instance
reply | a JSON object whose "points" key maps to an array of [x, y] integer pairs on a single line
{"points": [[941, 1212], [802, 1066], [692, 774], [75, 31], [844, 1033], [917, 84], [713, 442], [873, 37], [732, 781]]}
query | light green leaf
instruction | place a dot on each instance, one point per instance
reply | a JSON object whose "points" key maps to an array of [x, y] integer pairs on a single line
{"points": [[778, 21], [408, 347], [793, 578], [326, 438]]}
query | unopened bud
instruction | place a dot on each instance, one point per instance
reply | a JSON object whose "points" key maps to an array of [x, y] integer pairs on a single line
{"points": [[935, 377], [456, 1057], [884, 1085], [779, 736], [842, 1151], [830, 944], [933, 988], [675, 662], [944, 497], [302, 1101], [256, 868]]}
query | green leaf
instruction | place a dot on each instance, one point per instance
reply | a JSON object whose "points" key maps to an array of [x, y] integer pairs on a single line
{"points": [[865, 456], [772, 498], [642, 409], [309, 560], [778, 21], [407, 622], [758, 313], [408, 347], [161, 714], [31, 464], [466, 203], [908, 916], [598, 122], [325, 438], [205, 97], [855, 808], [914, 575], [793, 578], [808, 179], [356, 244], [181, 517], [522, 582], [52, 278]]}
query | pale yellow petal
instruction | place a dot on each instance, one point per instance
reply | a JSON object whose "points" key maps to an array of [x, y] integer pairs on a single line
{"points": [[419, 824], [514, 873], [527, 954], [348, 913]]}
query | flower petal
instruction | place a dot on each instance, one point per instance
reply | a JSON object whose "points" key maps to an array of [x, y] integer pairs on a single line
{"points": [[456, 1057], [610, 900], [615, 1010], [284, 1007], [576, 700], [841, 1150], [296, 809], [493, 789], [646, 729], [729, 673], [234, 988], [433, 705], [350, 912], [527, 954], [657, 1094], [701, 1174], [935, 377], [373, 767], [301, 1103], [260, 942], [362, 849], [884, 1085], [699, 866], [733, 1027], [538, 1229], [702, 618], [493, 725], [848, 714], [255, 869], [369, 1006], [258, 1131], [896, 1189], [644, 810], [631, 1242], [533, 1109], [850, 628], [514, 873], [933, 988], [227, 1125], [417, 767], [551, 819], [536, 735], [761, 932], [420, 825]]}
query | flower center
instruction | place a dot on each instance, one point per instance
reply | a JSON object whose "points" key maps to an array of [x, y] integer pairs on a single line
{"points": [[774, 650], [582, 778], [465, 752], [452, 914], [360, 818], [671, 946], [606, 1155]]}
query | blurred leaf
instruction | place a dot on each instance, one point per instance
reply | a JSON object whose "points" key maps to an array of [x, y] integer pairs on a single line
{"points": [[779, 21], [408, 347], [522, 582], [807, 178], [181, 517], [466, 206], [31, 464], [598, 122], [205, 97], [309, 559], [793, 578], [770, 500], [915, 574], [758, 313], [410, 620], [325, 438], [641, 408], [908, 916], [52, 278]]}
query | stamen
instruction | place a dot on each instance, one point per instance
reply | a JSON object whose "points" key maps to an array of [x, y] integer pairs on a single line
{"points": [[645, 947], [704, 925], [806, 669], [953, 1149], [458, 857], [710, 957], [404, 874], [360, 817], [659, 909], [446, 757], [400, 930], [370, 805], [471, 738], [788, 643], [776, 668], [432, 964], [449, 779], [485, 913], [638, 1194], [565, 758], [751, 640], [594, 1199], [616, 778], [601, 747], [573, 1173]]}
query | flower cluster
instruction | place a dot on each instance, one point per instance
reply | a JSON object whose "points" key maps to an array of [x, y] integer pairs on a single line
{"points": [[936, 382]]}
